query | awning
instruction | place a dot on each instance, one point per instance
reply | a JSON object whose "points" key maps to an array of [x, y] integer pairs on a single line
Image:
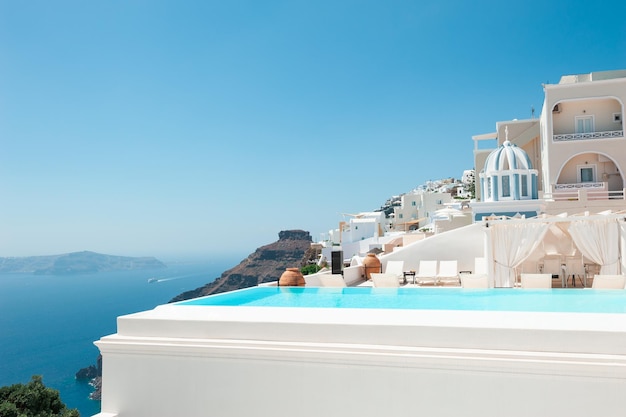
{"points": [[412, 222]]}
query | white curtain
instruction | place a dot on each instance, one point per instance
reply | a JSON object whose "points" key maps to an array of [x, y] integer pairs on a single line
{"points": [[622, 244], [598, 240], [511, 245]]}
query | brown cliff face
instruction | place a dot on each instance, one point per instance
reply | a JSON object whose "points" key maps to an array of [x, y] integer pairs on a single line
{"points": [[266, 264]]}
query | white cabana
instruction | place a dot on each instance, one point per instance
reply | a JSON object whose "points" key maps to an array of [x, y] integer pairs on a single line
{"points": [[509, 242], [598, 241]]}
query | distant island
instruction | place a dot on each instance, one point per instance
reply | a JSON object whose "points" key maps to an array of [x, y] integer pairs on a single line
{"points": [[76, 263]]}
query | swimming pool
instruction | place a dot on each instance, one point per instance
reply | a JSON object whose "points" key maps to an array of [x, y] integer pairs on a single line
{"points": [[409, 349], [501, 299]]}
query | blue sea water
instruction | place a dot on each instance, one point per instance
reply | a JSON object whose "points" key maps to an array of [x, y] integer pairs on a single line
{"points": [[48, 323]]}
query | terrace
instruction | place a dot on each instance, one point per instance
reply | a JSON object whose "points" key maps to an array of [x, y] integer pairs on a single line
{"points": [[307, 361], [355, 356]]}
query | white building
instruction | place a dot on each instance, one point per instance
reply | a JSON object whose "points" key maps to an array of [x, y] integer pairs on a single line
{"points": [[417, 208], [576, 147]]}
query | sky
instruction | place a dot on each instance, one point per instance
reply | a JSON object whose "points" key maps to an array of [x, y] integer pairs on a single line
{"points": [[203, 128]]}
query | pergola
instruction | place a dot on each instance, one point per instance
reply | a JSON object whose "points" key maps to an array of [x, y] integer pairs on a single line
{"points": [[510, 242]]}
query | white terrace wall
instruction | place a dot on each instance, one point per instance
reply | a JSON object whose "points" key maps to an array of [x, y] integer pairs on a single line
{"points": [[267, 362], [463, 244]]}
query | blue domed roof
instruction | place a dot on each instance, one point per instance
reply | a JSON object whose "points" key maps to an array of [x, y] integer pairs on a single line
{"points": [[508, 156]]}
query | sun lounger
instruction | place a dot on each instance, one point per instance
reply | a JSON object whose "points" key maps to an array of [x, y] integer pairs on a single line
{"points": [[382, 280], [536, 280], [395, 268], [332, 280], [474, 281], [427, 272], [448, 271], [609, 282]]}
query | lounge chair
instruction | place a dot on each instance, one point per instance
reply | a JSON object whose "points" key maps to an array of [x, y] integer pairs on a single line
{"points": [[480, 266], [332, 280], [474, 281], [382, 280], [552, 265], [395, 268], [609, 282], [536, 280], [427, 272], [448, 271], [526, 267]]}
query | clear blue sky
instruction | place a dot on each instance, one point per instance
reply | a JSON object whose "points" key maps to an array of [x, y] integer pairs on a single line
{"points": [[164, 127]]}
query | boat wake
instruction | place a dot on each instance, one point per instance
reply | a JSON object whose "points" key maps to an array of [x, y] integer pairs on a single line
{"points": [[154, 280]]}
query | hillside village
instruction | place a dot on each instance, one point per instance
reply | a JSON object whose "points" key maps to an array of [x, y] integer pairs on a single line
{"points": [[433, 207], [556, 168]]}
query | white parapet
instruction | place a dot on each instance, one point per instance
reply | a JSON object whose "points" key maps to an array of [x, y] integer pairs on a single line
{"points": [[261, 361]]}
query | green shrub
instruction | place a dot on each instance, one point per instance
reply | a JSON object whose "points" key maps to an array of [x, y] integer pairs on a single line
{"points": [[33, 399], [310, 269]]}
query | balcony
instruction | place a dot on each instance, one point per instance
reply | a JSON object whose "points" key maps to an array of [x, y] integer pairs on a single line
{"points": [[590, 135], [584, 191]]}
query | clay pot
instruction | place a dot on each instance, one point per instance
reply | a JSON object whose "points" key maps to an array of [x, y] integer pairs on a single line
{"points": [[371, 264], [292, 277]]}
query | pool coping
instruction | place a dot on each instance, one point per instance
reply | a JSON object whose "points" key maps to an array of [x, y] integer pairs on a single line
{"points": [[568, 333]]}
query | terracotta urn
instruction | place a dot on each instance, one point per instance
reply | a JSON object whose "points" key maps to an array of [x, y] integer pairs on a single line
{"points": [[371, 264], [292, 277]]}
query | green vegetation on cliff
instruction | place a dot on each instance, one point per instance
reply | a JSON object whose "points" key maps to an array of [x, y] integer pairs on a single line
{"points": [[33, 399]]}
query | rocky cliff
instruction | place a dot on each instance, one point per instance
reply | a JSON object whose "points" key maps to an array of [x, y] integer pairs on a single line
{"points": [[267, 263], [93, 374]]}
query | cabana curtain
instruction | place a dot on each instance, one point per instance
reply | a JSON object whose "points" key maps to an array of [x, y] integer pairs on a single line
{"points": [[512, 244], [597, 240]]}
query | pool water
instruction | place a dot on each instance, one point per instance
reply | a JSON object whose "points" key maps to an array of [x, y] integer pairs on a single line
{"points": [[495, 299]]}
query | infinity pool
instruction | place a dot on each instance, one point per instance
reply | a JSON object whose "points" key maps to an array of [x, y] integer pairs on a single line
{"points": [[500, 299]]}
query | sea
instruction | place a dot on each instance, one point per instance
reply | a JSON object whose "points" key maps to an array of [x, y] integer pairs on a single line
{"points": [[48, 323]]}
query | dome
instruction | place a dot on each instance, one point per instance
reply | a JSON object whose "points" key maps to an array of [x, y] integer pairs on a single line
{"points": [[507, 157], [508, 175]]}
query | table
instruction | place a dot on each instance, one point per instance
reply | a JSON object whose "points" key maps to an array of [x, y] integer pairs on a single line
{"points": [[409, 274]]}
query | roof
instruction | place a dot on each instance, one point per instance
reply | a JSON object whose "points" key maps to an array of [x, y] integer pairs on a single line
{"points": [[507, 156], [592, 76]]}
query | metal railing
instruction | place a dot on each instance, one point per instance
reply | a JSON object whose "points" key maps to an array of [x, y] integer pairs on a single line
{"points": [[591, 135]]}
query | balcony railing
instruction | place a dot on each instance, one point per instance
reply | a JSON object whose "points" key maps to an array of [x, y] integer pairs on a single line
{"points": [[560, 188], [585, 191], [590, 135]]}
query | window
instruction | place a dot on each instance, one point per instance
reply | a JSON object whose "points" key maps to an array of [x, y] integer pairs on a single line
{"points": [[488, 187], [617, 117], [584, 124], [506, 186], [401, 215], [586, 173], [524, 185], [413, 203]]}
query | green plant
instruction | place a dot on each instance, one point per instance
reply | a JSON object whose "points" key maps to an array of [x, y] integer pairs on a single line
{"points": [[33, 399], [310, 269]]}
